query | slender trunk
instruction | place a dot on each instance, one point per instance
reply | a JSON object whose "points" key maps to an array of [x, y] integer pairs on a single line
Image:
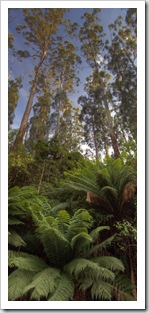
{"points": [[24, 122], [106, 149], [59, 109], [95, 143], [41, 177], [111, 131]]}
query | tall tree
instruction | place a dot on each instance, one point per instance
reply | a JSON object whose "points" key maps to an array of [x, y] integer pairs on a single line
{"points": [[91, 36], [64, 63], [122, 53], [39, 30]]}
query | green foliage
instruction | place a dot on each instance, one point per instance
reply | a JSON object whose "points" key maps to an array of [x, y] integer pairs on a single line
{"points": [[68, 246], [18, 280]]}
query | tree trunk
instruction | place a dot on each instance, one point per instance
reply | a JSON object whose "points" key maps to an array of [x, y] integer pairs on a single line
{"points": [[59, 108], [111, 131], [95, 142], [24, 122]]}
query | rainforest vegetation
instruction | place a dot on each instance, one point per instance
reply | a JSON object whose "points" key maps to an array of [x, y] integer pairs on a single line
{"points": [[72, 211]]}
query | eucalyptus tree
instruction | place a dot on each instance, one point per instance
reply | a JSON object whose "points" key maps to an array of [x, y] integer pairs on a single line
{"points": [[92, 38], [122, 62], [39, 31], [64, 63]]}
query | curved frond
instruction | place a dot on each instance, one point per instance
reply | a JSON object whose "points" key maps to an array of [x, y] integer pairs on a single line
{"points": [[80, 243], [28, 262], [99, 247], [56, 246], [15, 240], [14, 221], [17, 281], [60, 206], [95, 232], [123, 288], [110, 262], [43, 283], [90, 269], [101, 290], [64, 290]]}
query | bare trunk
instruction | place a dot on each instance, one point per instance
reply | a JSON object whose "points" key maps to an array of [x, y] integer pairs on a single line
{"points": [[95, 143], [59, 110], [106, 149], [111, 131], [24, 122], [41, 177]]}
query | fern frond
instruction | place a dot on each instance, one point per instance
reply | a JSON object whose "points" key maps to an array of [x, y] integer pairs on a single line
{"points": [[80, 243], [14, 221], [101, 246], [123, 288], [80, 222], [29, 263], [95, 232], [63, 220], [91, 269], [60, 206], [15, 240], [101, 291], [56, 246], [85, 283], [109, 192], [13, 254], [110, 262], [64, 290], [17, 281], [43, 283], [82, 183]]}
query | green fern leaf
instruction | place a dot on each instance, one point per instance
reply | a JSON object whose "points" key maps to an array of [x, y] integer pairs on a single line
{"points": [[80, 242], [101, 246], [95, 232], [123, 288], [110, 262], [101, 290], [43, 283], [29, 263], [17, 281], [64, 290], [15, 240], [14, 221], [90, 268], [56, 246]]}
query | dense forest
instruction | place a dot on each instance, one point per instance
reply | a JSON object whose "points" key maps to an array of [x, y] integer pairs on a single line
{"points": [[72, 211]]}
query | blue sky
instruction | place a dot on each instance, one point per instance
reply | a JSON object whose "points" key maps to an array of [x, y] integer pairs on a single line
{"points": [[26, 67]]}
